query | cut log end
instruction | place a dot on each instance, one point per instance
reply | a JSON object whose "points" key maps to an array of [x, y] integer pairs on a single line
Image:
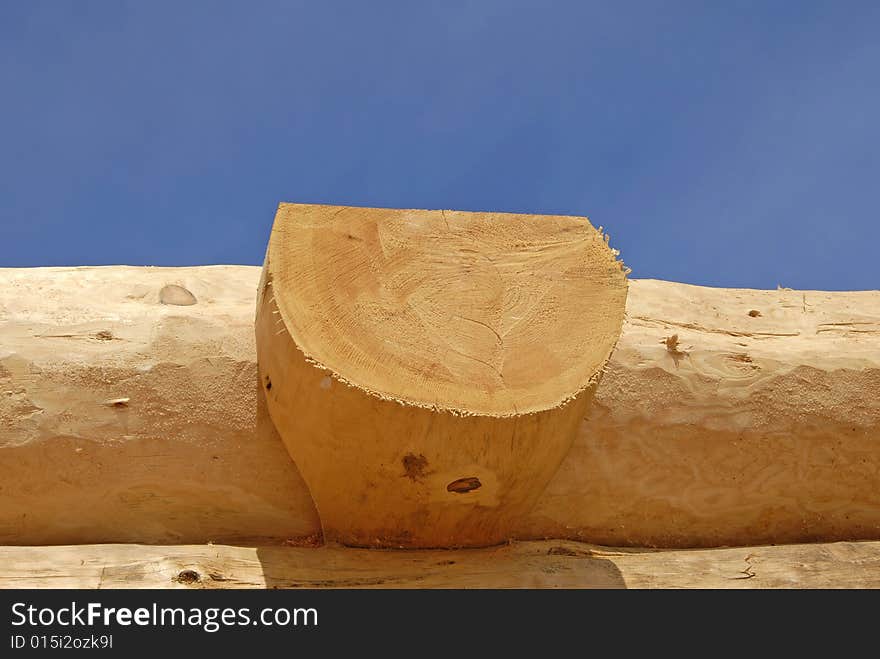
{"points": [[491, 314], [428, 370]]}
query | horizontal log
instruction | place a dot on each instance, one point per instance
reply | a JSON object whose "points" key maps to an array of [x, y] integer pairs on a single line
{"points": [[541, 564], [130, 411], [126, 419]]}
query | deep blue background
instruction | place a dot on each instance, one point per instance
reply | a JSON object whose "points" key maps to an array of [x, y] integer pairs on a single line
{"points": [[722, 143]]}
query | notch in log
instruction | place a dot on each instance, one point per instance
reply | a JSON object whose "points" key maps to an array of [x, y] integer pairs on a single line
{"points": [[404, 350]]}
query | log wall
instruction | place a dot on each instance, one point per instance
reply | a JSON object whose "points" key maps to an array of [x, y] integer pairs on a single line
{"points": [[726, 417]]}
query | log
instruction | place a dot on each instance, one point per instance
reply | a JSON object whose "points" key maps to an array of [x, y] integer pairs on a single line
{"points": [[429, 370], [543, 564], [725, 417], [127, 417]]}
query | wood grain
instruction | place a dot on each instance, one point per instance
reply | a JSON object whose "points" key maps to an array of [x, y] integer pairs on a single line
{"points": [[388, 402], [548, 564], [746, 429], [493, 314]]}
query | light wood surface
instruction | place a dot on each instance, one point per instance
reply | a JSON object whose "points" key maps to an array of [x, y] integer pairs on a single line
{"points": [[711, 426], [491, 314], [429, 370], [547, 564]]}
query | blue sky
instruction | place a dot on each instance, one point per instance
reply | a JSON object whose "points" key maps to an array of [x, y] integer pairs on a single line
{"points": [[719, 143]]}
